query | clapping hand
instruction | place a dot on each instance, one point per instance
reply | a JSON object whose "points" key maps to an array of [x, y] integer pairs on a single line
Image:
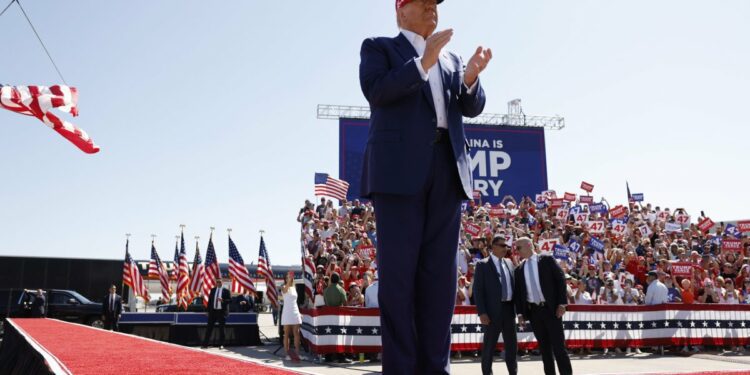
{"points": [[433, 45], [476, 65]]}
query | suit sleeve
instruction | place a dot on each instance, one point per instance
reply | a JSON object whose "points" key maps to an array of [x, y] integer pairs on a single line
{"points": [[382, 84], [561, 292], [472, 103], [104, 306], [518, 295], [479, 289]]}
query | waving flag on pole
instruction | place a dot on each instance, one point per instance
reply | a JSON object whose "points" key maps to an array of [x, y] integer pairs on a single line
{"points": [[264, 270], [183, 276], [38, 101], [131, 276], [196, 281], [308, 271], [156, 269], [241, 280], [176, 259], [210, 269], [330, 187]]}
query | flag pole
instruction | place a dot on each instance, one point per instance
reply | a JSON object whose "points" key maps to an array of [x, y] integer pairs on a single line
{"points": [[153, 239], [175, 270], [229, 234], [127, 240]]}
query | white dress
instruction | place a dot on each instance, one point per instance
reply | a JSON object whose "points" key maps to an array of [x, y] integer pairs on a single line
{"points": [[291, 314]]}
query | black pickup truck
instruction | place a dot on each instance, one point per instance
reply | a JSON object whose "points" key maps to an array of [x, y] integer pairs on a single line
{"points": [[61, 304]]}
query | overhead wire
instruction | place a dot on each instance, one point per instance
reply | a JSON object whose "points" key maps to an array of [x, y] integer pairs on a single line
{"points": [[38, 38]]}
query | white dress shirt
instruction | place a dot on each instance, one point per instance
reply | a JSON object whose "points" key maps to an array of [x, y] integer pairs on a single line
{"points": [[371, 295], [531, 275], [506, 284], [434, 78], [217, 299], [657, 293]]}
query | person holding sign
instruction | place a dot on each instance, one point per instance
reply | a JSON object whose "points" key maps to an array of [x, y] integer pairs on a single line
{"points": [[416, 172], [493, 295]]}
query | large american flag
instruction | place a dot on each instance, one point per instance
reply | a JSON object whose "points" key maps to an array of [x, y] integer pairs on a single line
{"points": [[196, 281], [211, 269], [183, 277], [131, 276], [265, 270], [241, 280], [330, 187], [156, 269], [38, 101], [176, 259], [308, 271]]}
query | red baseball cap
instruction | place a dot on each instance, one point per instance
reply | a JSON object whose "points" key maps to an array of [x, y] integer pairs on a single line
{"points": [[401, 3]]}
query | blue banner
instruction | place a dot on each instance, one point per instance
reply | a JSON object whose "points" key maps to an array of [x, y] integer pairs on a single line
{"points": [[505, 160], [732, 230], [561, 252], [637, 197], [596, 244], [574, 246], [598, 208]]}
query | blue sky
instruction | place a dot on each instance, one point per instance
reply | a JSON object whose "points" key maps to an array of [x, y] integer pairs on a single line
{"points": [[205, 112]]}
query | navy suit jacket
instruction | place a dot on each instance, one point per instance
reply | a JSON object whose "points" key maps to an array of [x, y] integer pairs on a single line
{"points": [[487, 290], [403, 118]]}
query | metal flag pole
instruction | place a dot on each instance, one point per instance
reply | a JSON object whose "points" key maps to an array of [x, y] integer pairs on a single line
{"points": [[153, 239], [127, 240]]}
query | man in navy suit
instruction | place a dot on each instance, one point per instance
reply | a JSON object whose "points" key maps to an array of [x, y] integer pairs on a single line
{"points": [[493, 294], [416, 172], [217, 310], [111, 309]]}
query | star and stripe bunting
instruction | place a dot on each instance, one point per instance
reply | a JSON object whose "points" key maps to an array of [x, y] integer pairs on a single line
{"points": [[196, 281], [157, 270], [38, 101], [328, 186], [331, 330], [211, 269], [266, 271], [183, 276], [241, 280], [131, 275]]}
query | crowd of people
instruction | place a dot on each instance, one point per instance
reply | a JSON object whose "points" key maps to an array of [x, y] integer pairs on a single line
{"points": [[629, 261]]}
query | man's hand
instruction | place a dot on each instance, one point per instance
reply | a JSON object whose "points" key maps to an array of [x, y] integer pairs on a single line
{"points": [[521, 321], [435, 44], [560, 311], [484, 319], [476, 65]]}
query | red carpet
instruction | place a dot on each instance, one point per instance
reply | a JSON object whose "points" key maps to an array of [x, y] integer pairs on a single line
{"points": [[85, 350]]}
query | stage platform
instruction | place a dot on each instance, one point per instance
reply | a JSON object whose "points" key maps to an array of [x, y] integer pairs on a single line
{"points": [[48, 346], [187, 328]]}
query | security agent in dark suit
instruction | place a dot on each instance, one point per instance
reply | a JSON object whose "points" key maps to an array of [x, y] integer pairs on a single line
{"points": [[541, 297], [493, 296], [416, 171], [218, 301], [38, 305], [111, 309]]}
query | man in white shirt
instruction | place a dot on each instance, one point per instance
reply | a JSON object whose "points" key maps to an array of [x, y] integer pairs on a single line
{"points": [[371, 293], [657, 292]]}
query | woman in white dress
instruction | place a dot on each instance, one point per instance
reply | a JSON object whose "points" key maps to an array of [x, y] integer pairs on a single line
{"points": [[290, 317]]}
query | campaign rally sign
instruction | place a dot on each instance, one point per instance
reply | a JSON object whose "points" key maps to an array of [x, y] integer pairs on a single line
{"points": [[575, 209], [672, 227], [732, 230], [539, 198], [472, 229], [556, 202], [645, 230], [743, 226], [617, 212], [705, 225], [574, 246], [561, 214], [662, 216], [595, 227], [682, 269], [586, 199], [619, 228], [596, 244], [598, 208], [497, 212], [476, 194], [587, 186], [367, 251], [570, 197], [547, 245], [549, 194], [637, 197], [581, 217], [682, 219], [561, 252], [730, 245]]}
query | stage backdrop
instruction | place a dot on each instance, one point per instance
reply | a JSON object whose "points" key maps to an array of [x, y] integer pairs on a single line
{"points": [[505, 160]]}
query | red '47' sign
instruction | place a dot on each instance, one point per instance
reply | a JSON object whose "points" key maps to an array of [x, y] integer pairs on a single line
{"points": [[596, 227]]}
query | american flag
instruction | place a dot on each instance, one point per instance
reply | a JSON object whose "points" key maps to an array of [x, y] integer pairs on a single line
{"points": [[131, 276], [176, 259], [211, 269], [156, 269], [264, 269], [330, 187], [241, 280], [196, 281], [38, 101], [183, 276], [308, 271]]}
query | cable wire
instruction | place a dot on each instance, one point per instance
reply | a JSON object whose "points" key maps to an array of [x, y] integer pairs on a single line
{"points": [[6, 7], [40, 40]]}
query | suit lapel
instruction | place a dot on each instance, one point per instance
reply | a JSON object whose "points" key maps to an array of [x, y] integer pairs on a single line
{"points": [[446, 75], [407, 52]]}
